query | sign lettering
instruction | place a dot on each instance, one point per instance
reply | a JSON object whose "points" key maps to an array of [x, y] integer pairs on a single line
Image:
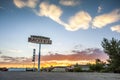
{"points": [[40, 40]]}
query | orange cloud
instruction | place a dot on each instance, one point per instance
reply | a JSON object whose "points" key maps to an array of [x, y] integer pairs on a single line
{"points": [[87, 54]]}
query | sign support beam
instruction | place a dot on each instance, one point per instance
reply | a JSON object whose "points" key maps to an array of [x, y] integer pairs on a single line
{"points": [[39, 57]]}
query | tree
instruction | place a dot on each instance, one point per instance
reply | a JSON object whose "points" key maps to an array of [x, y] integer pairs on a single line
{"points": [[98, 66], [112, 48]]}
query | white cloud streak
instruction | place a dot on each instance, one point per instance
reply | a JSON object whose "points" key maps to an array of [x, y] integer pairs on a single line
{"points": [[105, 19], [69, 2], [51, 11], [99, 9], [79, 21], [116, 28], [15, 51], [25, 3]]}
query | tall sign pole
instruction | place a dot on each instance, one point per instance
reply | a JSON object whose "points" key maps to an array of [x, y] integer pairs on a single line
{"points": [[39, 58], [39, 40]]}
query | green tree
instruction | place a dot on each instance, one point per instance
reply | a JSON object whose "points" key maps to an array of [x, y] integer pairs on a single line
{"points": [[98, 66], [112, 48]]}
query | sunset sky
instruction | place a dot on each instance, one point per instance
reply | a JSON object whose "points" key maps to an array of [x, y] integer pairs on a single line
{"points": [[76, 28]]}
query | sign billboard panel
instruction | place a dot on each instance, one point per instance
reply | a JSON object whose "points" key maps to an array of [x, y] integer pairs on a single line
{"points": [[39, 40]]}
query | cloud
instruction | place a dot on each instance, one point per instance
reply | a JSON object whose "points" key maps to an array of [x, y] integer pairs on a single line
{"points": [[99, 9], [87, 54], [15, 59], [69, 2], [8, 58], [51, 11], [82, 57], [79, 46], [25, 3], [116, 28], [76, 55], [15, 51], [80, 20], [105, 19]]}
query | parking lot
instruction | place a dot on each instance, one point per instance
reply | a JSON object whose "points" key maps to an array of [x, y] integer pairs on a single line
{"points": [[57, 76]]}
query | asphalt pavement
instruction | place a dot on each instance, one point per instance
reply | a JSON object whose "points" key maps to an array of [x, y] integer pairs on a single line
{"points": [[58, 76]]}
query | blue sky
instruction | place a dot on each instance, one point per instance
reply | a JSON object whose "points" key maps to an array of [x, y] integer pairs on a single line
{"points": [[68, 23]]}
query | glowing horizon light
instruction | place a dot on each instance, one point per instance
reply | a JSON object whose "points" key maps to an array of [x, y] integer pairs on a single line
{"points": [[47, 64]]}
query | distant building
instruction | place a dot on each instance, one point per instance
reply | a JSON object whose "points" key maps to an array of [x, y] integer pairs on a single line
{"points": [[59, 69], [55, 69], [83, 67]]}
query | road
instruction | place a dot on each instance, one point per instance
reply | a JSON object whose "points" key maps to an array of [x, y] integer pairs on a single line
{"points": [[57, 76]]}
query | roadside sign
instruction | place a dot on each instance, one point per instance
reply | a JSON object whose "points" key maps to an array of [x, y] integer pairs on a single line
{"points": [[39, 40]]}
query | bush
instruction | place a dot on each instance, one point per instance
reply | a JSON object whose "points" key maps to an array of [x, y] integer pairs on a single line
{"points": [[117, 70], [77, 69]]}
